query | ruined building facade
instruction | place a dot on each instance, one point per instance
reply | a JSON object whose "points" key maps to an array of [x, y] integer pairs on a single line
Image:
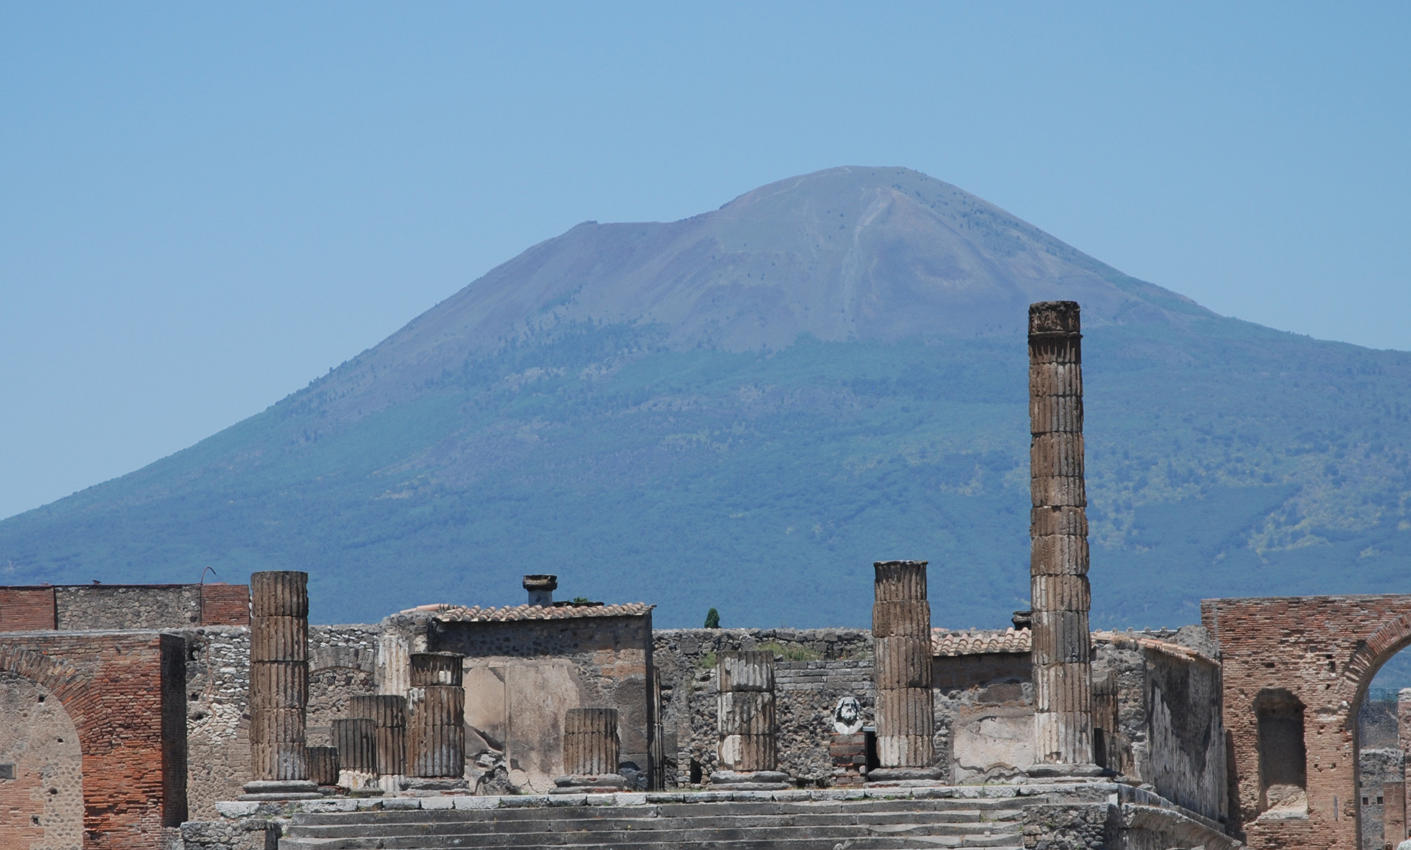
{"points": [[127, 712]]}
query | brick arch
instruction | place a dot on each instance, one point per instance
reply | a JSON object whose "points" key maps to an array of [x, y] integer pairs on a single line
{"points": [[1375, 650], [122, 691], [58, 676]]}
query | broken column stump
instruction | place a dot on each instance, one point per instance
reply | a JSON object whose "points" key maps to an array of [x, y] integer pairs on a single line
{"points": [[389, 716], [901, 635], [279, 686], [590, 752], [1058, 528], [356, 742], [745, 722], [323, 765]]}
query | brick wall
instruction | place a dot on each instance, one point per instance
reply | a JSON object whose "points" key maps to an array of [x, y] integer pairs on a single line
{"points": [[24, 609], [111, 686], [225, 605], [1322, 650]]}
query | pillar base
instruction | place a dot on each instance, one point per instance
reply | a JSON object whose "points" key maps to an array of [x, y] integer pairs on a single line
{"points": [[899, 775], [598, 783], [1066, 771], [751, 780], [281, 789]]}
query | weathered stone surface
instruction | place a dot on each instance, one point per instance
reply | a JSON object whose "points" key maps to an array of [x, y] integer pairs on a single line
{"points": [[435, 668], [1058, 563], [746, 711], [436, 730], [279, 676], [590, 745]]}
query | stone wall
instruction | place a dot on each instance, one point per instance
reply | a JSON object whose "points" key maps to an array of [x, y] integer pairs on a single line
{"points": [[217, 716], [342, 664], [112, 688], [1168, 731], [813, 669], [984, 715], [123, 606], [521, 676], [1375, 768], [41, 768]]}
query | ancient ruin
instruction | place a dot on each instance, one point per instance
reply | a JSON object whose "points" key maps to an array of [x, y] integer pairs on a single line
{"points": [[216, 717]]}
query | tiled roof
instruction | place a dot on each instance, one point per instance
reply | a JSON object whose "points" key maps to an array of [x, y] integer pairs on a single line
{"points": [[945, 642], [519, 613]]}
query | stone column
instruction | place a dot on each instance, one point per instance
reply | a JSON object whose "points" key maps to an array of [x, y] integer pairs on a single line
{"points": [[279, 686], [1058, 529], [435, 668], [323, 765], [745, 721], [590, 752], [436, 720], [356, 741], [901, 634], [393, 658], [389, 716], [1403, 722]]}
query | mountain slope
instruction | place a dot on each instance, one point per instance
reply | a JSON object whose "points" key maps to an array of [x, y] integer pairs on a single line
{"points": [[743, 409]]}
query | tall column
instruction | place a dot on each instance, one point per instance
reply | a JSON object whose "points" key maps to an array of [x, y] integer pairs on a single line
{"points": [[389, 716], [279, 686], [901, 634], [436, 717], [745, 721], [590, 752], [1058, 530]]}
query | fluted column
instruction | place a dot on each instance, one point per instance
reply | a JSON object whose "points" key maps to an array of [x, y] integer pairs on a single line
{"points": [[323, 765], [901, 634], [279, 685], [1058, 564], [435, 668], [745, 721], [389, 716], [590, 751], [355, 738], [393, 663]]}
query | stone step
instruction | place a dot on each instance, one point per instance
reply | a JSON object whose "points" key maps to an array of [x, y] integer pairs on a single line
{"points": [[964, 807], [520, 824], [686, 842], [410, 834], [450, 822]]}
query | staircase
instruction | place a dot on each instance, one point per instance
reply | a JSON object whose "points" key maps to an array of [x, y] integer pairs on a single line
{"points": [[862, 824]]}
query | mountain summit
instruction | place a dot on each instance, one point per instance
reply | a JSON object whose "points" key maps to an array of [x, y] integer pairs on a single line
{"points": [[743, 409]]}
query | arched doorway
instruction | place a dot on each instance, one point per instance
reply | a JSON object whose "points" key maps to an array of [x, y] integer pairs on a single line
{"points": [[41, 769]]}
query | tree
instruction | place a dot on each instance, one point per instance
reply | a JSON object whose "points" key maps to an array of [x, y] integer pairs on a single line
{"points": [[712, 619]]}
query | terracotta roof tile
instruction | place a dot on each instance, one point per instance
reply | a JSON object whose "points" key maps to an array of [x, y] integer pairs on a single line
{"points": [[945, 642]]}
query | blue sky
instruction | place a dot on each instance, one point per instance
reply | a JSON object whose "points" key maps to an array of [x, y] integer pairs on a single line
{"points": [[203, 207]]}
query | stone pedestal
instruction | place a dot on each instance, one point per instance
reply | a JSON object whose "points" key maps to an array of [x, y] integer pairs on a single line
{"points": [[848, 752], [590, 752], [901, 633], [745, 722], [389, 716], [279, 686], [1058, 564]]}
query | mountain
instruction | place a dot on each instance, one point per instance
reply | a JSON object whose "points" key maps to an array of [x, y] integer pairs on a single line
{"points": [[744, 409]]}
